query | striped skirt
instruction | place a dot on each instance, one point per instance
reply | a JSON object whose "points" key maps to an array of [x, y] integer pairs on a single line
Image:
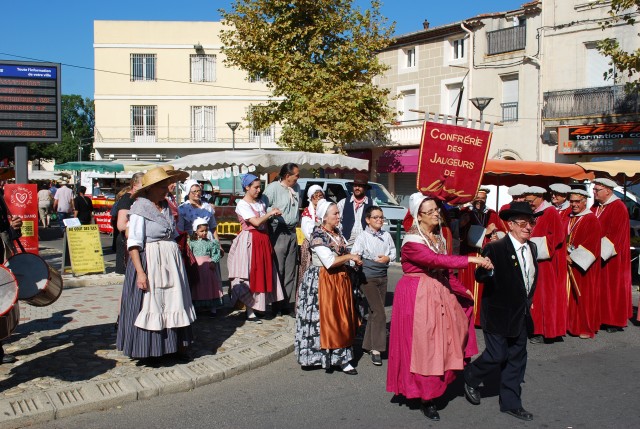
{"points": [[140, 343]]}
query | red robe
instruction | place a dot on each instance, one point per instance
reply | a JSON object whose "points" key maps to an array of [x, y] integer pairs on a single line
{"points": [[615, 299], [584, 234], [467, 275], [549, 308]]}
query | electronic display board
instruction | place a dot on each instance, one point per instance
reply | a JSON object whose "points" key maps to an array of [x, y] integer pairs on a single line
{"points": [[30, 108]]}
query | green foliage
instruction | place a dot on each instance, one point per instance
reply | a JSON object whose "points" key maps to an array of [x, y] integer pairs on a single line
{"points": [[318, 57], [623, 62]]}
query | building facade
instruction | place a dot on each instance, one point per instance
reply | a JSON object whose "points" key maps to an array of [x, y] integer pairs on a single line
{"points": [[162, 91]]}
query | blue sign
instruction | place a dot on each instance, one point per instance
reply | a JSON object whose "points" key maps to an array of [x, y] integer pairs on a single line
{"points": [[32, 71]]}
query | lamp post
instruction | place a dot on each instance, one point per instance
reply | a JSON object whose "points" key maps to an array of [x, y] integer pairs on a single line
{"points": [[234, 127], [481, 103]]}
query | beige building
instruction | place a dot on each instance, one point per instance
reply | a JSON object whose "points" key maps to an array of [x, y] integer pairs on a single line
{"points": [[538, 65], [162, 91]]}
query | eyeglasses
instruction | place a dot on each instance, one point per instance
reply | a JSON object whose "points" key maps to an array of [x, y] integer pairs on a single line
{"points": [[376, 217], [575, 201], [430, 212], [195, 192], [523, 223], [596, 190], [531, 200]]}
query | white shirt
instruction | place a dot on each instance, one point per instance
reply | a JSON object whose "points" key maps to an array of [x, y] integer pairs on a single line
{"points": [[357, 224], [64, 196], [528, 275]]}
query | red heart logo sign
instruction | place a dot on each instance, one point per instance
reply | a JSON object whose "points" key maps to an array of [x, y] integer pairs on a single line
{"points": [[21, 197]]}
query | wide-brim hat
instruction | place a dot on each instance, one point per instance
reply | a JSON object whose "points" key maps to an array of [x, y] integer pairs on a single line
{"points": [[361, 180], [157, 175], [518, 208]]}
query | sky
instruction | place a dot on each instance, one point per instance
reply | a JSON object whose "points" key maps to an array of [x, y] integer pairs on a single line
{"points": [[62, 31]]}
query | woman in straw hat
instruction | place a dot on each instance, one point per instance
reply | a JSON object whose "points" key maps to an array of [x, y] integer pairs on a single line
{"points": [[431, 302], [156, 311]]}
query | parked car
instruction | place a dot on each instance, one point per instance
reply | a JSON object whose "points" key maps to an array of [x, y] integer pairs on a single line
{"points": [[225, 210], [337, 189]]}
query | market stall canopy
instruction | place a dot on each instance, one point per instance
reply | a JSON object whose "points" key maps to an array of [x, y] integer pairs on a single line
{"points": [[46, 175], [135, 166], [619, 169], [99, 166], [509, 172], [266, 161]]}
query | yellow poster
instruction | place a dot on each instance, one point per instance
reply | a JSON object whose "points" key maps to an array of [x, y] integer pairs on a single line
{"points": [[85, 249]]}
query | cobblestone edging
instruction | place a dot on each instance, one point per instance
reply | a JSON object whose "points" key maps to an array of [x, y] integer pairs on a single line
{"points": [[40, 401]]}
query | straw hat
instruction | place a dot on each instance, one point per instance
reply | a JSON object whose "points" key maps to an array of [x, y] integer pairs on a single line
{"points": [[157, 175]]}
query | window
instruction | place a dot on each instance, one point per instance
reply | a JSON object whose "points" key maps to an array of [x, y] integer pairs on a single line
{"points": [[203, 119], [143, 124], [596, 65], [408, 58], [409, 102], [143, 67], [457, 49], [256, 77], [262, 136], [203, 68], [453, 97], [510, 98]]}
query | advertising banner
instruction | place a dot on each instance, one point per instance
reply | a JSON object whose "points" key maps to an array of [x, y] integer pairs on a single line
{"points": [[22, 200], [599, 139], [452, 161]]}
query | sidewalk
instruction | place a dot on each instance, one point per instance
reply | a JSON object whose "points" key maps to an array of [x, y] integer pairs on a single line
{"points": [[67, 361]]}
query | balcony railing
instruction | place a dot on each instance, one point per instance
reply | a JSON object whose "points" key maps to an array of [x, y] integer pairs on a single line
{"points": [[506, 40], [600, 101], [509, 112], [184, 135]]}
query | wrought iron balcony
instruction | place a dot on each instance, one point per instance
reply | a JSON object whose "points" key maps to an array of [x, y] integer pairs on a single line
{"points": [[600, 101], [506, 40], [509, 112]]}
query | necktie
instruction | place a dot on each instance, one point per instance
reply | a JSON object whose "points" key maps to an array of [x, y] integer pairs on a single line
{"points": [[523, 250]]}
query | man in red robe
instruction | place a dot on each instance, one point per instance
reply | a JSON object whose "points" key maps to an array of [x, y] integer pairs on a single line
{"points": [[478, 226], [559, 198], [615, 278], [517, 194], [583, 247], [549, 309]]}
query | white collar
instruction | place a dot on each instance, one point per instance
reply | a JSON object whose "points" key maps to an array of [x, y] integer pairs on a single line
{"points": [[516, 244], [582, 213], [611, 199]]}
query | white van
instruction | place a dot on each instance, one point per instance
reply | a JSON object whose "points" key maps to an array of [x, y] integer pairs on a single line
{"points": [[337, 189]]}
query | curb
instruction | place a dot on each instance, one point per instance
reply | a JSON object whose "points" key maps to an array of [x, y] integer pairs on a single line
{"points": [[112, 279], [86, 396]]}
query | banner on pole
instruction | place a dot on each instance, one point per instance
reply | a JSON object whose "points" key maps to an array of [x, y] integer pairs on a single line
{"points": [[451, 161], [22, 200]]}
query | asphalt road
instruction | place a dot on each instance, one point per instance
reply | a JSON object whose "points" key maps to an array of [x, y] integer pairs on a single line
{"points": [[570, 384]]}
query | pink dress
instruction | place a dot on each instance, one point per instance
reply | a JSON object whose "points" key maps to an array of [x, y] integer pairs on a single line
{"points": [[431, 301]]}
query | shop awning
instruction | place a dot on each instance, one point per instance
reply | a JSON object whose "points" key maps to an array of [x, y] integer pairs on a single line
{"points": [[99, 166], [621, 169], [509, 172], [399, 161]]}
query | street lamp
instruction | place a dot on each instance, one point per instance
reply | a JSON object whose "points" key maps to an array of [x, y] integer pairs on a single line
{"points": [[481, 103], [234, 127]]}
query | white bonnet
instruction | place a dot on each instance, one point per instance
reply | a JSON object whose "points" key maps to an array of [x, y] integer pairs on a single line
{"points": [[312, 190], [322, 207], [199, 221]]}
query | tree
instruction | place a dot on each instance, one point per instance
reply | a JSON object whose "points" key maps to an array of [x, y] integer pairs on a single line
{"points": [[78, 121], [623, 62], [318, 58]]}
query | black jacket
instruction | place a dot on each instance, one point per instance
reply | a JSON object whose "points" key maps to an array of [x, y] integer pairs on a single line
{"points": [[505, 303]]}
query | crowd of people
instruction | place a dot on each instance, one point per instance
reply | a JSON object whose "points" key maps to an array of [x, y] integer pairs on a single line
{"points": [[532, 272]]}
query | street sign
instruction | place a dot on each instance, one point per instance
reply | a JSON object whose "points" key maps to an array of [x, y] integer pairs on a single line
{"points": [[30, 102]]}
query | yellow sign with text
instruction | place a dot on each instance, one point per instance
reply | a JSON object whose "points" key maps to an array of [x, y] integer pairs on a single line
{"points": [[85, 249]]}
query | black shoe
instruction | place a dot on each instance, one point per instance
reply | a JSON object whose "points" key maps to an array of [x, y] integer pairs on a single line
{"points": [[376, 359], [612, 329], [538, 339], [8, 359], [430, 411], [520, 413], [472, 394]]}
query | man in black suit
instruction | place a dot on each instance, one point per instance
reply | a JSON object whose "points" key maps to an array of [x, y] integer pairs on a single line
{"points": [[505, 316]]}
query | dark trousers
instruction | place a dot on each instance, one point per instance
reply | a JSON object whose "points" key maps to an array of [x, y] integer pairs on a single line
{"points": [[285, 250], [510, 355], [375, 335]]}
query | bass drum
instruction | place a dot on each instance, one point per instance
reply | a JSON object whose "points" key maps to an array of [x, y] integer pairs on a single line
{"points": [[38, 283], [9, 309]]}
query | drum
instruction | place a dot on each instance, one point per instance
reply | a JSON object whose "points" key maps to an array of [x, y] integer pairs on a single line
{"points": [[9, 310], [38, 283]]}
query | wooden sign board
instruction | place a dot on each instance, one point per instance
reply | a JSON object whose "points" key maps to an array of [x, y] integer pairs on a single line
{"points": [[85, 249]]}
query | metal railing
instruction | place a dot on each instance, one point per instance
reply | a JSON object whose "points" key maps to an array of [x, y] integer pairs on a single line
{"points": [[509, 112], [195, 135], [506, 40], [604, 100]]}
